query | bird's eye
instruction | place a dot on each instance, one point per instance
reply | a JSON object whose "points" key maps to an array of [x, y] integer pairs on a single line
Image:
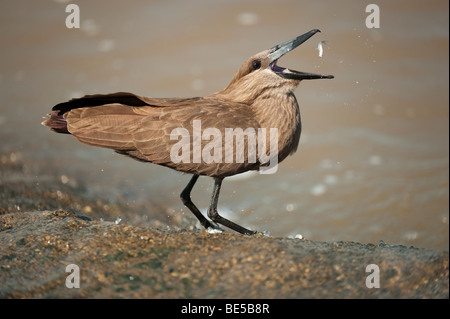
{"points": [[256, 64]]}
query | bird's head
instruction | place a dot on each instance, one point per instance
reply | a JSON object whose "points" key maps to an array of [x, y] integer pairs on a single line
{"points": [[261, 72]]}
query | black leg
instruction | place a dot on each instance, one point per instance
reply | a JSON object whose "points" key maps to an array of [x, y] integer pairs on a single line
{"points": [[186, 199], [214, 215]]}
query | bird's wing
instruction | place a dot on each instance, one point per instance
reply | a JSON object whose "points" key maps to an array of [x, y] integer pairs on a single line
{"points": [[109, 126], [106, 120], [142, 128], [161, 133]]}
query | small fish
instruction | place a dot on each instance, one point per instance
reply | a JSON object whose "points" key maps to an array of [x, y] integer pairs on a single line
{"points": [[320, 47]]}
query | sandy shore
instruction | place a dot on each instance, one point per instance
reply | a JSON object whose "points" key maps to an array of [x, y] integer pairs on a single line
{"points": [[122, 261]]}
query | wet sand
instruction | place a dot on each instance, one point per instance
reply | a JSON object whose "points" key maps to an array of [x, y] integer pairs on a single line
{"points": [[118, 260], [121, 261]]}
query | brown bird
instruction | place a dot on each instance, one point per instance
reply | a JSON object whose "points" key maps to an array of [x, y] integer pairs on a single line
{"points": [[260, 96]]}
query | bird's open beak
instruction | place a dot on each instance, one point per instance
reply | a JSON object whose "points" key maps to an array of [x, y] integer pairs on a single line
{"points": [[281, 49]]}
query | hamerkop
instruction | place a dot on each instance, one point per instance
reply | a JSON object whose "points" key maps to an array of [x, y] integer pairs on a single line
{"points": [[260, 95]]}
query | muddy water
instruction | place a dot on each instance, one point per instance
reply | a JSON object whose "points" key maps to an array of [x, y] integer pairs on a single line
{"points": [[373, 161]]}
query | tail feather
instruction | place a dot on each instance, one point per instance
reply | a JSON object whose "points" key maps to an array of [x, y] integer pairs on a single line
{"points": [[124, 98], [57, 119], [56, 122]]}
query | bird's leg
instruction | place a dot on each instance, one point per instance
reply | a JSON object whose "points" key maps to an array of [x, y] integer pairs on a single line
{"points": [[214, 215], [186, 199]]}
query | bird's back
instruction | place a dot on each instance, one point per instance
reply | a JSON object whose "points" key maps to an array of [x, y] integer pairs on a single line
{"points": [[148, 129]]}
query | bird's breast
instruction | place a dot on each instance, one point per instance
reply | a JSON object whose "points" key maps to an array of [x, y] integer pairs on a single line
{"points": [[282, 114]]}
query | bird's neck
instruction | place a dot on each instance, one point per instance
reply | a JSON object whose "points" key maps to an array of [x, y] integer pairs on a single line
{"points": [[280, 111], [273, 107]]}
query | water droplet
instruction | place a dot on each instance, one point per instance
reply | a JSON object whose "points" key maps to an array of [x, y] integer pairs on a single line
{"points": [[411, 235], [13, 157], [266, 233], [106, 45], [64, 179], [318, 190], [290, 207], [90, 27], [331, 179], [213, 231], [375, 160], [326, 163], [247, 18]]}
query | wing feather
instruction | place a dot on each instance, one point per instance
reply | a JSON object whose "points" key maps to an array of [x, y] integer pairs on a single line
{"points": [[141, 127], [153, 140], [109, 126]]}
